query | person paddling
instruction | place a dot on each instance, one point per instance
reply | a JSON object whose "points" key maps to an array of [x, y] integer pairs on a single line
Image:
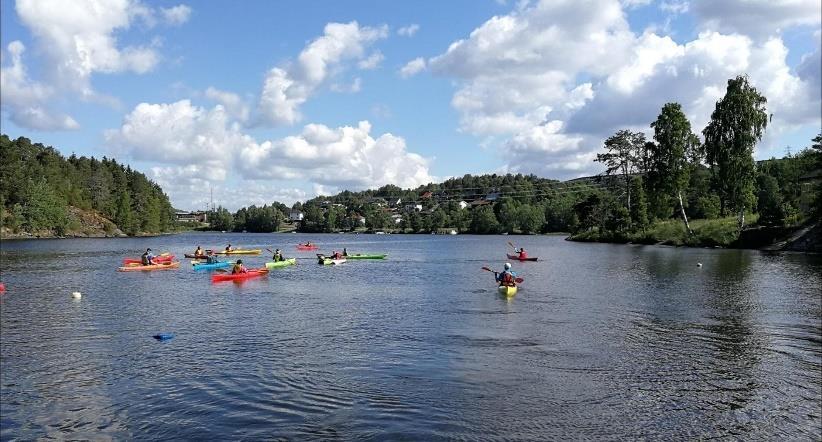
{"points": [[278, 256], [345, 252], [239, 267], [199, 252], [506, 278], [147, 258], [521, 252]]}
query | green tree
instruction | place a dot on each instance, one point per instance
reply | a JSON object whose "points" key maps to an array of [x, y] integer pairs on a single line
{"points": [[124, 218], [530, 219], [672, 154], [624, 150], [769, 201], [483, 220], [43, 208], [737, 124], [639, 210]]}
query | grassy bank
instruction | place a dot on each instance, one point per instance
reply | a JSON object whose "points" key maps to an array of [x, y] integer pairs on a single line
{"points": [[720, 232]]}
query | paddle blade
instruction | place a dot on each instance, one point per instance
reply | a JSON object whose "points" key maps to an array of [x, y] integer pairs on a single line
{"points": [[221, 270], [519, 280], [487, 269], [511, 244]]}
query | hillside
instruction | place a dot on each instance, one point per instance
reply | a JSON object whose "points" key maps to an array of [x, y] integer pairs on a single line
{"points": [[44, 194]]}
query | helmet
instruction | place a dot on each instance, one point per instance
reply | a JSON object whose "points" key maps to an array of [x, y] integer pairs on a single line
{"points": [[148, 250], [239, 261], [507, 265]]}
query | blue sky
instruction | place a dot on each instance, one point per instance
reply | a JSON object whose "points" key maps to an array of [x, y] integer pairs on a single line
{"points": [[284, 100]]}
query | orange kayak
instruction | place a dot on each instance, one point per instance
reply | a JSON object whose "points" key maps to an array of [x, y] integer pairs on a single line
{"points": [[158, 266]]}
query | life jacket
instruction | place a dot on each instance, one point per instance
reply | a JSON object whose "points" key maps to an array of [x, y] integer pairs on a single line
{"points": [[507, 280], [145, 259], [238, 268], [522, 254]]}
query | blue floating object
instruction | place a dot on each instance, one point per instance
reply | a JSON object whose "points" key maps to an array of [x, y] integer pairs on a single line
{"points": [[163, 336]]}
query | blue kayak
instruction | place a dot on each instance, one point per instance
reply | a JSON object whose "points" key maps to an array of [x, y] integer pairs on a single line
{"points": [[215, 265]]}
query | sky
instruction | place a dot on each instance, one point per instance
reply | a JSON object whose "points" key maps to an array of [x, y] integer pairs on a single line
{"points": [[266, 101]]}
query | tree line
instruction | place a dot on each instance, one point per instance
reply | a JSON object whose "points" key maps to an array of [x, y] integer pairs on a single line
{"points": [[39, 186], [672, 175]]}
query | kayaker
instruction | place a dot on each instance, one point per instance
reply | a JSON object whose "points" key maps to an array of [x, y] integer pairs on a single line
{"points": [[522, 254], [337, 255], [278, 256], [239, 267], [228, 248], [345, 252], [211, 259], [147, 258], [199, 252], [507, 276]]}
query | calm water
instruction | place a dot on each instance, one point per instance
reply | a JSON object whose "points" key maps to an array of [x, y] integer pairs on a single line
{"points": [[602, 342]]}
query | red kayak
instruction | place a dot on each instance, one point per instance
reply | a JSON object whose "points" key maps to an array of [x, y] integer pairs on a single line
{"points": [[161, 258], [305, 247], [238, 276], [521, 259]]}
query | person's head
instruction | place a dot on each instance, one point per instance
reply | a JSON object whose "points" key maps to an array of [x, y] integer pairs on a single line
{"points": [[198, 247], [148, 250], [507, 266], [522, 249], [239, 261], [277, 251]]}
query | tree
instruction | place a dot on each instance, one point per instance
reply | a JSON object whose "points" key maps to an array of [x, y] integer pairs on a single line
{"points": [[625, 149], [672, 154], [483, 220], [769, 201], [737, 124], [639, 211], [530, 219], [43, 208]]}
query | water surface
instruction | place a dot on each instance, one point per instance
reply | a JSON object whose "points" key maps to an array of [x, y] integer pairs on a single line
{"points": [[602, 341]]}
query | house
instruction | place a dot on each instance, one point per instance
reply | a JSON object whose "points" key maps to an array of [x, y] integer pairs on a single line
{"points": [[463, 204], [358, 219], [413, 208], [426, 195], [479, 202], [493, 196], [395, 203], [377, 201], [295, 216], [397, 219], [190, 217]]}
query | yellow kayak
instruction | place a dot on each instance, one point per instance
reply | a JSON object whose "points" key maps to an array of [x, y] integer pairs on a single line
{"points": [[507, 290], [160, 266], [240, 252]]}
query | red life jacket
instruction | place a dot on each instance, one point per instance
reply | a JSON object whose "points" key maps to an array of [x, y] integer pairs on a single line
{"points": [[508, 280]]}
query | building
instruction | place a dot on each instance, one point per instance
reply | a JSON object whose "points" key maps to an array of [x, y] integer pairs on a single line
{"points": [[463, 204], [413, 208], [184, 216], [295, 216]]}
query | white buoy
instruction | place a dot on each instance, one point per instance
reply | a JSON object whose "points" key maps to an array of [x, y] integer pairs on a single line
{"points": [[699, 264], [76, 295]]}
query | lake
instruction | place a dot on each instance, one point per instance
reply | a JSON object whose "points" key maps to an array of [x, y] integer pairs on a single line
{"points": [[601, 342]]}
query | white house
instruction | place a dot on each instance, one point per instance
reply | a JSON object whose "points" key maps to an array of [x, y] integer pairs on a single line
{"points": [[463, 204], [296, 216], [413, 208]]}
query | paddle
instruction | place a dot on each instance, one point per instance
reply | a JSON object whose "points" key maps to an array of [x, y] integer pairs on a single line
{"points": [[512, 245], [517, 280]]}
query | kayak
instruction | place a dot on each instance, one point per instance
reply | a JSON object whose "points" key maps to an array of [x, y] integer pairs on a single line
{"points": [[279, 264], [238, 276], [161, 258], [365, 256], [521, 259], [191, 255], [160, 266], [240, 252], [213, 265], [329, 261], [305, 247], [507, 290]]}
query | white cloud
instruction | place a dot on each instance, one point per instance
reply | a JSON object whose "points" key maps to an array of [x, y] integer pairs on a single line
{"points": [[756, 17], [233, 104], [631, 4], [408, 31], [372, 62], [413, 67], [346, 157], [675, 7], [287, 87], [27, 101], [557, 81], [176, 15], [352, 88]]}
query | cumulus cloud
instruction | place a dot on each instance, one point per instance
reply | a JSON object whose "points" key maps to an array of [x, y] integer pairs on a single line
{"points": [[413, 67], [372, 62], [408, 31], [193, 146], [27, 101], [346, 157], [556, 81], [233, 103], [756, 17], [287, 87]]}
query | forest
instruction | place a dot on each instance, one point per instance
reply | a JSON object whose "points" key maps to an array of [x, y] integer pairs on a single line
{"points": [[46, 194]]}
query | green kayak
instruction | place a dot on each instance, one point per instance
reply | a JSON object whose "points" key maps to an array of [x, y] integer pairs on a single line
{"points": [[365, 256], [278, 264]]}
